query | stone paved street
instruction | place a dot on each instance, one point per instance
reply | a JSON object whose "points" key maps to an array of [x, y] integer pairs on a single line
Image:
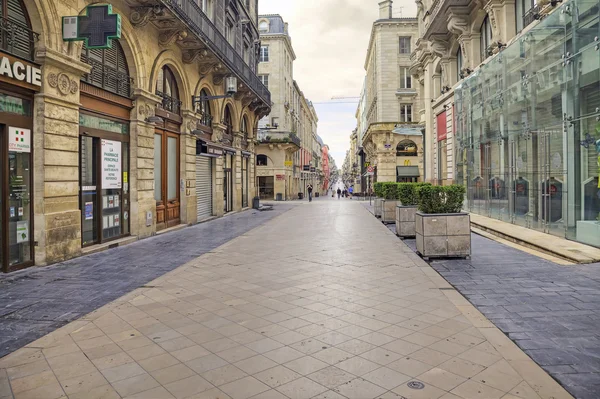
{"points": [[37, 301], [320, 302]]}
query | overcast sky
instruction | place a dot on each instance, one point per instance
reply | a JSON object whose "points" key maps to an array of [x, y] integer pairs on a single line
{"points": [[330, 39]]}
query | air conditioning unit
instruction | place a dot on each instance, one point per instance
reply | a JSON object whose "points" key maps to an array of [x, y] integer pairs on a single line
{"points": [[231, 85]]}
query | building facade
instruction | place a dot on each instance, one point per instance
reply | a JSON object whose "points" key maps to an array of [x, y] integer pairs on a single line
{"points": [[389, 139], [103, 139], [516, 109], [288, 139]]}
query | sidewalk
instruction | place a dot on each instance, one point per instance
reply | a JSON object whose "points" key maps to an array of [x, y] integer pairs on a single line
{"points": [[37, 301], [289, 310]]}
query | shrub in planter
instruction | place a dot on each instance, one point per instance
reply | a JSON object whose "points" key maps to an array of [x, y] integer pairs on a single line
{"points": [[390, 201], [442, 230], [378, 190], [406, 210]]}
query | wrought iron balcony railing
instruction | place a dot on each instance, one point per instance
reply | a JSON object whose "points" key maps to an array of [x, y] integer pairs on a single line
{"points": [[269, 137], [108, 78], [531, 15], [198, 22], [169, 104], [17, 39]]}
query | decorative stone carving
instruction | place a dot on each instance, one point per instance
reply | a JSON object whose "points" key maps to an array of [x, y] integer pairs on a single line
{"points": [[170, 36], [145, 111], [196, 55], [63, 83], [439, 47], [491, 11], [458, 24], [140, 16], [237, 141], [218, 79]]}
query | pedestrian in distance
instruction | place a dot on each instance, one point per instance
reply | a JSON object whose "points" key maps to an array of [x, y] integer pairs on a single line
{"points": [[310, 190], [339, 193], [351, 191]]}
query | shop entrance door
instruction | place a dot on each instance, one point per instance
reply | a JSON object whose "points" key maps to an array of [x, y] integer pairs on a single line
{"points": [[228, 183], [166, 179], [550, 181]]}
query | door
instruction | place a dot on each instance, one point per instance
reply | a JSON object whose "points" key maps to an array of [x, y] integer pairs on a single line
{"points": [[204, 193], [228, 183], [166, 179]]}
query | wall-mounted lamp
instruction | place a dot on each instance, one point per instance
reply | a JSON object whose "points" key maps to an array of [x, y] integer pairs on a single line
{"points": [[230, 90], [154, 119]]}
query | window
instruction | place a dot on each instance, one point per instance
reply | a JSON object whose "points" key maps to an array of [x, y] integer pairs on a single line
{"points": [[228, 122], [203, 108], [166, 88], [244, 129], [405, 78], [405, 113], [207, 8], [522, 14], [406, 148], [264, 79], [109, 69], [405, 45], [17, 37], [246, 54], [261, 160], [486, 37], [263, 27], [459, 63], [230, 33], [264, 54]]}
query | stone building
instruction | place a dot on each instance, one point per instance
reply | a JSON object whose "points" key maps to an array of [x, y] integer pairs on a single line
{"points": [[112, 141], [288, 135], [514, 109], [388, 135]]}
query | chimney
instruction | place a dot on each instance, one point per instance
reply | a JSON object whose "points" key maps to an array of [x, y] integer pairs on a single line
{"points": [[385, 9], [285, 28]]}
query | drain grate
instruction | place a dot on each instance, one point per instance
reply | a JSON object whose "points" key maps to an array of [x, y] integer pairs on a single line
{"points": [[415, 385]]}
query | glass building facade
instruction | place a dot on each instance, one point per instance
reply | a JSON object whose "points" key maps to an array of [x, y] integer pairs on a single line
{"points": [[528, 128]]}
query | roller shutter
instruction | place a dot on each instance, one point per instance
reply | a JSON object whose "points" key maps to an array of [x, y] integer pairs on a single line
{"points": [[204, 194]]}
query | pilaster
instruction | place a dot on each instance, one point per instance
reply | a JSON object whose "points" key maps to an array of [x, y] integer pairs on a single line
{"points": [[188, 211]]}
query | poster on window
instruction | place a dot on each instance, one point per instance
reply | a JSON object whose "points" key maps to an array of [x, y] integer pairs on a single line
{"points": [[22, 232], [19, 140], [111, 165]]}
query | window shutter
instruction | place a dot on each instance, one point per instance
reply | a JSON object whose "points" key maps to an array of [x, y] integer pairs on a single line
{"points": [[17, 41], [109, 69]]}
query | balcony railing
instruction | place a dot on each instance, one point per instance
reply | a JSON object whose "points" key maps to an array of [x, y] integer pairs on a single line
{"points": [[189, 12], [108, 78], [268, 137], [17, 39], [169, 104], [531, 15]]}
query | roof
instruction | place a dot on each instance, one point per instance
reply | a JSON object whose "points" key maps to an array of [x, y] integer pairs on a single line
{"points": [[276, 23]]}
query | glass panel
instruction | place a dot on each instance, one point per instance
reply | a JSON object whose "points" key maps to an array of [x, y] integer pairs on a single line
{"points": [[172, 182], [111, 213], [103, 124], [15, 105], [89, 197], [19, 203], [158, 167], [125, 196]]}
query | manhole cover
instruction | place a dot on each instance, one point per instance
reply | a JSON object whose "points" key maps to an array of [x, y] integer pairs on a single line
{"points": [[416, 385]]}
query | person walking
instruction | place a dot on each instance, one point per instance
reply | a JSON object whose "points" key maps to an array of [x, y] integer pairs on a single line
{"points": [[310, 190], [351, 191], [339, 193]]}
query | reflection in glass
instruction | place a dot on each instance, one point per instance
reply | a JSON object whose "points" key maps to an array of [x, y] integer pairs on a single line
{"points": [[19, 203], [172, 168], [158, 167]]}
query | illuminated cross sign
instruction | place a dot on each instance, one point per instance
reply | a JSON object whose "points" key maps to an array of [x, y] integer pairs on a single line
{"points": [[98, 27]]}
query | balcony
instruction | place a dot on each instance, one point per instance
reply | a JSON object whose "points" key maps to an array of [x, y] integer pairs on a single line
{"points": [[268, 137], [532, 15], [17, 39], [436, 18], [205, 35]]}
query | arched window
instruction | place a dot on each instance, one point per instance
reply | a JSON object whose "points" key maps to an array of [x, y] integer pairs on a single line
{"points": [[263, 27], [244, 129], [228, 122], [203, 108], [459, 63], [261, 160], [406, 148], [166, 88], [109, 69], [17, 38], [486, 37]]}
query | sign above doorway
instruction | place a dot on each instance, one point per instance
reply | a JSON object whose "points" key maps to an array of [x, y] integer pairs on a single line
{"points": [[98, 27]]}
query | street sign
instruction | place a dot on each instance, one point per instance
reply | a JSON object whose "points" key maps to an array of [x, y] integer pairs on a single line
{"points": [[371, 171], [306, 168], [289, 163], [98, 27]]}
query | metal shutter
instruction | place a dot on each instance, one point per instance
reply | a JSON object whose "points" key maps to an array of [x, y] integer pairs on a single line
{"points": [[204, 194]]}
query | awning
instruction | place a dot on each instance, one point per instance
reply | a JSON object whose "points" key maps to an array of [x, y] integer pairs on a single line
{"points": [[407, 171]]}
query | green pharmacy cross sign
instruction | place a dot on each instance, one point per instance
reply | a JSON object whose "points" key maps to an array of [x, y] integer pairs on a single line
{"points": [[97, 27]]}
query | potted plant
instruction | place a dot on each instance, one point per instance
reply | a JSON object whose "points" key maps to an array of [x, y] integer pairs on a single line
{"points": [[377, 189], [442, 230], [389, 192], [406, 211]]}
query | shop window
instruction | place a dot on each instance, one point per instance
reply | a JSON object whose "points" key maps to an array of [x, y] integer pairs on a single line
{"points": [[16, 36], [406, 148], [261, 160], [109, 69], [228, 122], [166, 88]]}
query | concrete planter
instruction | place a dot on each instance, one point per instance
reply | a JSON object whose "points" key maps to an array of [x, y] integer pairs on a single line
{"points": [[388, 211], [405, 220], [443, 235], [377, 208]]}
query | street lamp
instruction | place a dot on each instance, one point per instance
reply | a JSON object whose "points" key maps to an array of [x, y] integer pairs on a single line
{"points": [[230, 90]]}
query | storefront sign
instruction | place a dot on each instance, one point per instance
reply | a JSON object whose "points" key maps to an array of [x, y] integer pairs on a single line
{"points": [[442, 128], [306, 168], [289, 163], [22, 232], [19, 140], [98, 27], [12, 69], [111, 164], [280, 177]]}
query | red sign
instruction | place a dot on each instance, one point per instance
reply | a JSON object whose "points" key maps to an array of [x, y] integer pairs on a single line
{"points": [[280, 177], [442, 129]]}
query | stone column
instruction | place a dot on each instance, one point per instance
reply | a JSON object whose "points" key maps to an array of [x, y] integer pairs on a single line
{"points": [[189, 213], [218, 173], [57, 215], [237, 171], [428, 94], [141, 165]]}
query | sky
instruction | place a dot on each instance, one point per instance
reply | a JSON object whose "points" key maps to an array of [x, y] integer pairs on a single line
{"points": [[330, 39]]}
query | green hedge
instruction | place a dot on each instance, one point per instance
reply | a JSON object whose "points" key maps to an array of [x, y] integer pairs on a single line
{"points": [[378, 189], [389, 190], [441, 199], [407, 193]]}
